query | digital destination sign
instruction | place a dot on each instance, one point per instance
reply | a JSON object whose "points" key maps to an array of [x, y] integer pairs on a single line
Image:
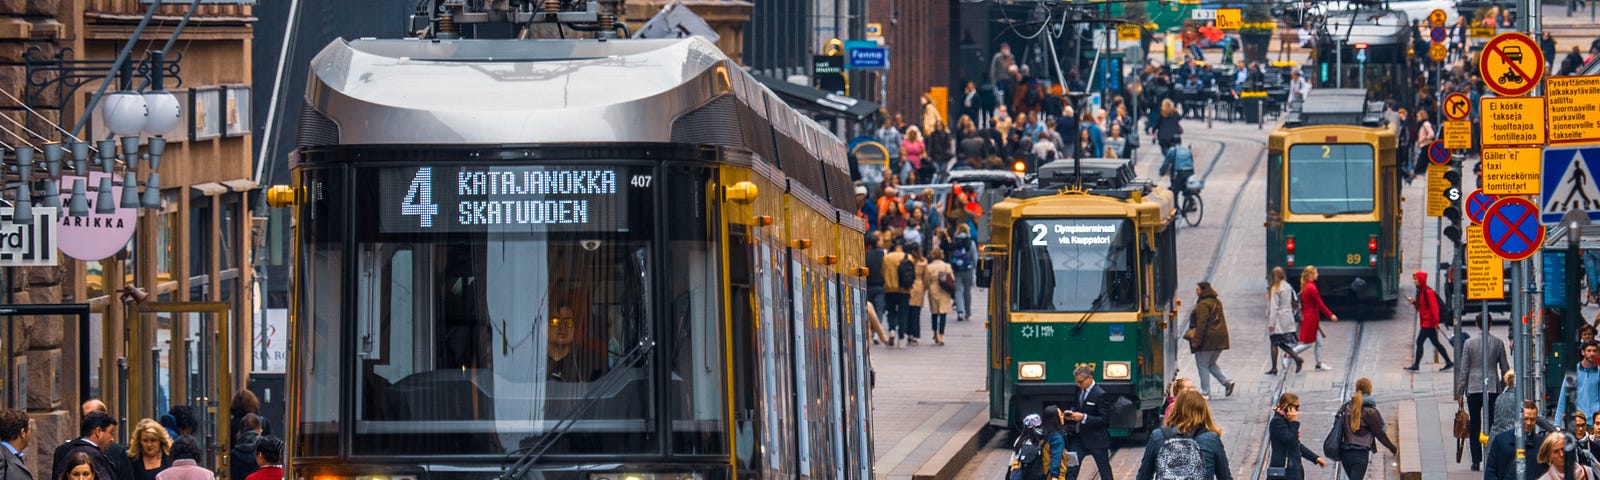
{"points": [[524, 198]]}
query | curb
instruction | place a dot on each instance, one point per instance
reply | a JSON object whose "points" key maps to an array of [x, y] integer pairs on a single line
{"points": [[1410, 441], [956, 452]]}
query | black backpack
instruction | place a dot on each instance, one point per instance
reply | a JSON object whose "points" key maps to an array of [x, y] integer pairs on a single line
{"points": [[907, 273], [1030, 462], [1446, 314]]}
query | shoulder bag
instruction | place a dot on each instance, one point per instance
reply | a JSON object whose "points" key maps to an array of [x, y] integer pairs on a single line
{"points": [[1333, 446]]}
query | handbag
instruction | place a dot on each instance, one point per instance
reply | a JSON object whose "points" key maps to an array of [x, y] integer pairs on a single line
{"points": [[1462, 431], [1333, 446]]}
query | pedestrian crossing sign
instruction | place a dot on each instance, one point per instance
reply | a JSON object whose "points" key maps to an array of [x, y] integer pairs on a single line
{"points": [[1568, 183]]}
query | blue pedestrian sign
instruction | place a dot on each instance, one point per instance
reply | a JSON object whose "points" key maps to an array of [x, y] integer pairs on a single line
{"points": [[1438, 34], [1512, 229], [1568, 183], [868, 57], [1438, 154]]}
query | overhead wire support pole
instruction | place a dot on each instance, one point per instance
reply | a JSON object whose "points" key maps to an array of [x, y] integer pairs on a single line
{"points": [[277, 89], [172, 41], [122, 58]]}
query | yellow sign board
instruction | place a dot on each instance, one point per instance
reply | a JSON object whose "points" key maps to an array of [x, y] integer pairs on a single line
{"points": [[1574, 108], [1480, 32], [874, 30], [1436, 186], [1511, 64], [1457, 134], [1229, 19], [1513, 121], [1511, 171], [1438, 52], [1128, 32], [1485, 274], [1437, 17]]}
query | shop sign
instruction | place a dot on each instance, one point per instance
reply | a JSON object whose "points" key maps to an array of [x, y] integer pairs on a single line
{"points": [[96, 236]]}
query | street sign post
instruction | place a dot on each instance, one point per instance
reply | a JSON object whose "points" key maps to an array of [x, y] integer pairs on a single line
{"points": [[1229, 19], [868, 57], [1457, 134], [1129, 32], [1437, 184], [1511, 171], [1511, 64], [1457, 106], [1513, 121], [1438, 34], [1512, 229], [1437, 17], [1484, 273], [1478, 204], [1438, 154], [1570, 103], [1569, 182], [1438, 52]]}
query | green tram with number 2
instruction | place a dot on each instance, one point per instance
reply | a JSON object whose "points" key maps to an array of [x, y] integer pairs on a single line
{"points": [[1081, 273], [1333, 198]]}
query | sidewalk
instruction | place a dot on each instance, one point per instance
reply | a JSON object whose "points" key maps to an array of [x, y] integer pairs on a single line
{"points": [[930, 404]]}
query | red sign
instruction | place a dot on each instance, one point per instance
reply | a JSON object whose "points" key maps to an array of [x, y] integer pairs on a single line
{"points": [[1478, 205], [1457, 106], [1511, 64], [1511, 228]]}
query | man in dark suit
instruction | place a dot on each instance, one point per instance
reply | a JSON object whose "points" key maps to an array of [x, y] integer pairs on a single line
{"points": [[95, 435], [16, 431], [1089, 435], [1501, 463], [116, 452]]}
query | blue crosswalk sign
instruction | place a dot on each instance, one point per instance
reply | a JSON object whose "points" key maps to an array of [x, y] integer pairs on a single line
{"points": [[1568, 183]]}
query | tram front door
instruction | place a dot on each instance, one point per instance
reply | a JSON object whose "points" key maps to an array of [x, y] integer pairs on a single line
{"points": [[178, 357]]}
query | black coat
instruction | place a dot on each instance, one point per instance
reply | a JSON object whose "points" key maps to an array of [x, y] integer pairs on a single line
{"points": [[1501, 459], [1287, 450], [1091, 433], [101, 461]]}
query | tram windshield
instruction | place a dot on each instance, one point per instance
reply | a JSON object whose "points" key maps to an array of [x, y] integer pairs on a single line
{"points": [[1331, 179], [1074, 265]]}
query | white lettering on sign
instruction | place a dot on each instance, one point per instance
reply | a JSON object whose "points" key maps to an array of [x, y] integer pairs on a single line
{"points": [[526, 182], [1038, 331]]}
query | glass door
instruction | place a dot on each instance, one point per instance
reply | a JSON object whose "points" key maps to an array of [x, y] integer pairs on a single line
{"points": [[178, 365]]}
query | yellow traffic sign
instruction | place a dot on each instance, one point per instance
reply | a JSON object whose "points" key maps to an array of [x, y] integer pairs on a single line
{"points": [[1480, 32], [1485, 273], [1572, 106], [1128, 32], [1436, 187], [1511, 64], [1457, 134], [1513, 121], [1512, 171], [1437, 17], [874, 30], [1229, 19], [1438, 52], [1457, 106]]}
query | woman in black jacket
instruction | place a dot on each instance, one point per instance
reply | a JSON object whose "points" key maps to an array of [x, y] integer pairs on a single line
{"points": [[1284, 433]]}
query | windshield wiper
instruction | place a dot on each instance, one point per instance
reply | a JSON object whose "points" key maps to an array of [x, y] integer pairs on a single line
{"points": [[605, 383], [1094, 307]]}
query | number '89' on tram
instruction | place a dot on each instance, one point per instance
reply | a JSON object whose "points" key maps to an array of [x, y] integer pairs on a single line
{"points": [[569, 259]]}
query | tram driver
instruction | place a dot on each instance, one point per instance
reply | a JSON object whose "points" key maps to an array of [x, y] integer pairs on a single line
{"points": [[567, 360]]}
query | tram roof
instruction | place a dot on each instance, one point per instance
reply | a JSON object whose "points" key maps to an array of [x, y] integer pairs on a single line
{"points": [[1335, 106], [1370, 26]]}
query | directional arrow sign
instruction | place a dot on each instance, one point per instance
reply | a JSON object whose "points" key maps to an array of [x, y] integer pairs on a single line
{"points": [[1457, 106]]}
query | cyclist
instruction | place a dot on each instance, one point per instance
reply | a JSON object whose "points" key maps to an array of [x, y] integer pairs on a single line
{"points": [[1179, 164]]}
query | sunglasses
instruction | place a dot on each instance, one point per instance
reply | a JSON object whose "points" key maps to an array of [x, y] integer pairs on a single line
{"points": [[561, 322]]}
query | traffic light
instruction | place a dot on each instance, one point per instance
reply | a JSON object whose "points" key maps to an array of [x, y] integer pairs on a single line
{"points": [[1452, 213]]}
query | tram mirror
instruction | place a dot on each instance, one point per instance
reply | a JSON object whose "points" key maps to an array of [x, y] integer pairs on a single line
{"points": [[590, 245], [984, 271]]}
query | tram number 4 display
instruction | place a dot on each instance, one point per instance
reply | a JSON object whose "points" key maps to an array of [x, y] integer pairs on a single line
{"points": [[506, 199]]}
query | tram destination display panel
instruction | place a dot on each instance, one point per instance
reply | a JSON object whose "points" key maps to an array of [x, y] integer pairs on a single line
{"points": [[508, 199]]}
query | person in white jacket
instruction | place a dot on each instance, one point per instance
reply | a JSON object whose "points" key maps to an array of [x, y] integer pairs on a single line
{"points": [[1281, 320]]}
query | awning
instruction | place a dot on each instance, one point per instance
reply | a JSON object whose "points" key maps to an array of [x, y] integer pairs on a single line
{"points": [[818, 101]]}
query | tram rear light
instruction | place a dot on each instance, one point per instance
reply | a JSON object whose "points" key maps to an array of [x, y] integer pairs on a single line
{"points": [[829, 259], [1288, 247], [1117, 371], [1030, 371], [801, 243], [1372, 250]]}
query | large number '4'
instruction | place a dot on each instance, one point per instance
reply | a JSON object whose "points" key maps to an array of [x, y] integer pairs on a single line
{"points": [[419, 197]]}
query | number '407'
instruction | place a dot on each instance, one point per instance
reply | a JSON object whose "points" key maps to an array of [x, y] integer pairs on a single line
{"points": [[641, 181]]}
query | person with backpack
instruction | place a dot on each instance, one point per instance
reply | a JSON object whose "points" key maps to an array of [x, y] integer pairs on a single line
{"points": [[1028, 452], [1281, 301], [1362, 426], [941, 282], [899, 273], [963, 257], [1283, 432], [1087, 417], [1188, 446], [1427, 304]]}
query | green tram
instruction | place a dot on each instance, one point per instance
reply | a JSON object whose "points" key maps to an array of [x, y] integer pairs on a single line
{"points": [[1333, 196], [1081, 269]]}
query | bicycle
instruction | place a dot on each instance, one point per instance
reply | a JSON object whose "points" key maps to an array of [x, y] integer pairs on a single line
{"points": [[1191, 206]]}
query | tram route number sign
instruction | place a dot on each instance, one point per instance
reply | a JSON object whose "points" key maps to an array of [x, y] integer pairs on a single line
{"points": [[1573, 105], [1437, 201], [506, 199], [1513, 121], [1511, 64], [1457, 134], [1512, 171], [1485, 272]]}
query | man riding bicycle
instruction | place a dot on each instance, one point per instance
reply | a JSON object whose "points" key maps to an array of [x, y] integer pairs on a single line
{"points": [[1180, 165]]}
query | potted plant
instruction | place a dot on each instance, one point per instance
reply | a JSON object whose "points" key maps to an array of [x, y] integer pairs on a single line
{"points": [[1256, 33]]}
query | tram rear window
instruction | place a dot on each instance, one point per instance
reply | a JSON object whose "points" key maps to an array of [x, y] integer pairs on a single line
{"points": [[1331, 179], [1074, 265]]}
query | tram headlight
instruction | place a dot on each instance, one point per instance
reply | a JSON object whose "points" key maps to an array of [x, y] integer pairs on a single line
{"points": [[1118, 371], [1030, 371]]}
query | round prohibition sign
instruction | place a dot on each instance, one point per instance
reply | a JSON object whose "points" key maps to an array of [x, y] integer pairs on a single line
{"points": [[1511, 228], [1478, 205], [1457, 106], [1438, 154], [1511, 64]]}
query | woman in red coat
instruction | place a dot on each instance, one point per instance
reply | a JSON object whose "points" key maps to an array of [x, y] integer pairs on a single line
{"points": [[1311, 312]]}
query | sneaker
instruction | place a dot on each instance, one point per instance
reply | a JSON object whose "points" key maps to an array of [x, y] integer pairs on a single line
{"points": [[1228, 388], [1322, 367], [1447, 366], [1272, 372], [1412, 368], [1298, 363], [911, 342]]}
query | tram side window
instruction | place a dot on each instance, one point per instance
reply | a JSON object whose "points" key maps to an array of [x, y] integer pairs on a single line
{"points": [[695, 296], [319, 339], [1331, 179]]}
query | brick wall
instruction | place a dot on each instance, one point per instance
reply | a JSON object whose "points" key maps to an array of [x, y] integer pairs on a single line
{"points": [[917, 33]]}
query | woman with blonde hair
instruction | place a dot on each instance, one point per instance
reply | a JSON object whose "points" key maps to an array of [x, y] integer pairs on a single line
{"points": [[911, 150], [1280, 321], [1312, 309], [1167, 127], [1363, 430], [151, 451], [1190, 418], [1552, 453]]}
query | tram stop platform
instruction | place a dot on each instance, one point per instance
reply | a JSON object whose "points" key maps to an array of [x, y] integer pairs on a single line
{"points": [[930, 405]]}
